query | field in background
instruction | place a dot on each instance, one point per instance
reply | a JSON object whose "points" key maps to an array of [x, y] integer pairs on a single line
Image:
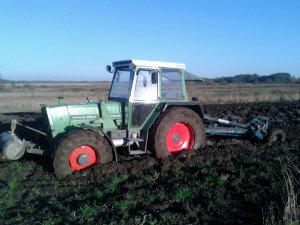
{"points": [[243, 93], [28, 97]]}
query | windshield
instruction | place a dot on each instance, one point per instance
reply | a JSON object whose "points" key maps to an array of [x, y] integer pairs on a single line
{"points": [[122, 83]]}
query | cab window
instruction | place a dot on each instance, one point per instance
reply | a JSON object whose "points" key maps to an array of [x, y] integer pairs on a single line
{"points": [[171, 86], [146, 86]]}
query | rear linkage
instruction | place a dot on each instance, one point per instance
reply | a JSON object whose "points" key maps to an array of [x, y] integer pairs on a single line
{"points": [[232, 126]]}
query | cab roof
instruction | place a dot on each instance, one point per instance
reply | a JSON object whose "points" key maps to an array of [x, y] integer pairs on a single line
{"points": [[148, 63]]}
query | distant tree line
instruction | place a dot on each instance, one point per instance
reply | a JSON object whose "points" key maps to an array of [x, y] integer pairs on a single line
{"points": [[276, 78]]}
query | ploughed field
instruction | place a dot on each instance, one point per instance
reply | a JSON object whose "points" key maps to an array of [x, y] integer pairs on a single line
{"points": [[230, 181]]}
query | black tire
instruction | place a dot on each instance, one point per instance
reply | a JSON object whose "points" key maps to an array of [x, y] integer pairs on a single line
{"points": [[75, 139], [166, 121], [276, 135]]}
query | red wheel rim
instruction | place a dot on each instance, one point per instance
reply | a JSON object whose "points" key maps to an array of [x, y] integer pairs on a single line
{"points": [[82, 157], [180, 137]]}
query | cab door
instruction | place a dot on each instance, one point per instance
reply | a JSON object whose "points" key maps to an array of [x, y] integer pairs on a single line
{"points": [[144, 98]]}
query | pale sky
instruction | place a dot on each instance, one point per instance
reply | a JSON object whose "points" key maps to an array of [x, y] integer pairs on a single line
{"points": [[75, 40]]}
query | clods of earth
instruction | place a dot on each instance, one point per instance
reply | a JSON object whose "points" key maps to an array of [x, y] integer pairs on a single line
{"points": [[230, 181]]}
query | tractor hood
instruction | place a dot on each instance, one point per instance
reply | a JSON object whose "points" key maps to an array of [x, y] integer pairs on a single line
{"points": [[106, 115]]}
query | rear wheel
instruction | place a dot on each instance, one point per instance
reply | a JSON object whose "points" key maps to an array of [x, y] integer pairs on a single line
{"points": [[79, 150], [177, 130]]}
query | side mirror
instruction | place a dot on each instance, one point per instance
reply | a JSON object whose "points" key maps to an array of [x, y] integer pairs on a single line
{"points": [[154, 77], [108, 69]]}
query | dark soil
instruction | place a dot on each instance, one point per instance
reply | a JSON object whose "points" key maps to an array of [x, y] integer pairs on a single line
{"points": [[231, 181]]}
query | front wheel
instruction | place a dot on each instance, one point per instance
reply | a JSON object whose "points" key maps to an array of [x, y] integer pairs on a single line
{"points": [[79, 150], [177, 130]]}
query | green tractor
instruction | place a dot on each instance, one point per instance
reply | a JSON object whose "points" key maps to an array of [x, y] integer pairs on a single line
{"points": [[147, 110]]}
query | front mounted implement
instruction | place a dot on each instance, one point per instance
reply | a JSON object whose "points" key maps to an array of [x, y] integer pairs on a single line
{"points": [[13, 148]]}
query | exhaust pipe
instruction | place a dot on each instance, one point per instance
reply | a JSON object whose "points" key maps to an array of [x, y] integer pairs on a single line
{"points": [[11, 147]]}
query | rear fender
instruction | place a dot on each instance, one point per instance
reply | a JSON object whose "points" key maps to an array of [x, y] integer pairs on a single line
{"points": [[103, 134], [195, 106]]}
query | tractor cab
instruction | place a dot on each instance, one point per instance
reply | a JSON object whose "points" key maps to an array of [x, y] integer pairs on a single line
{"points": [[141, 86]]}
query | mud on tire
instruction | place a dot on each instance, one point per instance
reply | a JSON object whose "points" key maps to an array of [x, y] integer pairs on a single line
{"points": [[164, 132], [75, 140]]}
